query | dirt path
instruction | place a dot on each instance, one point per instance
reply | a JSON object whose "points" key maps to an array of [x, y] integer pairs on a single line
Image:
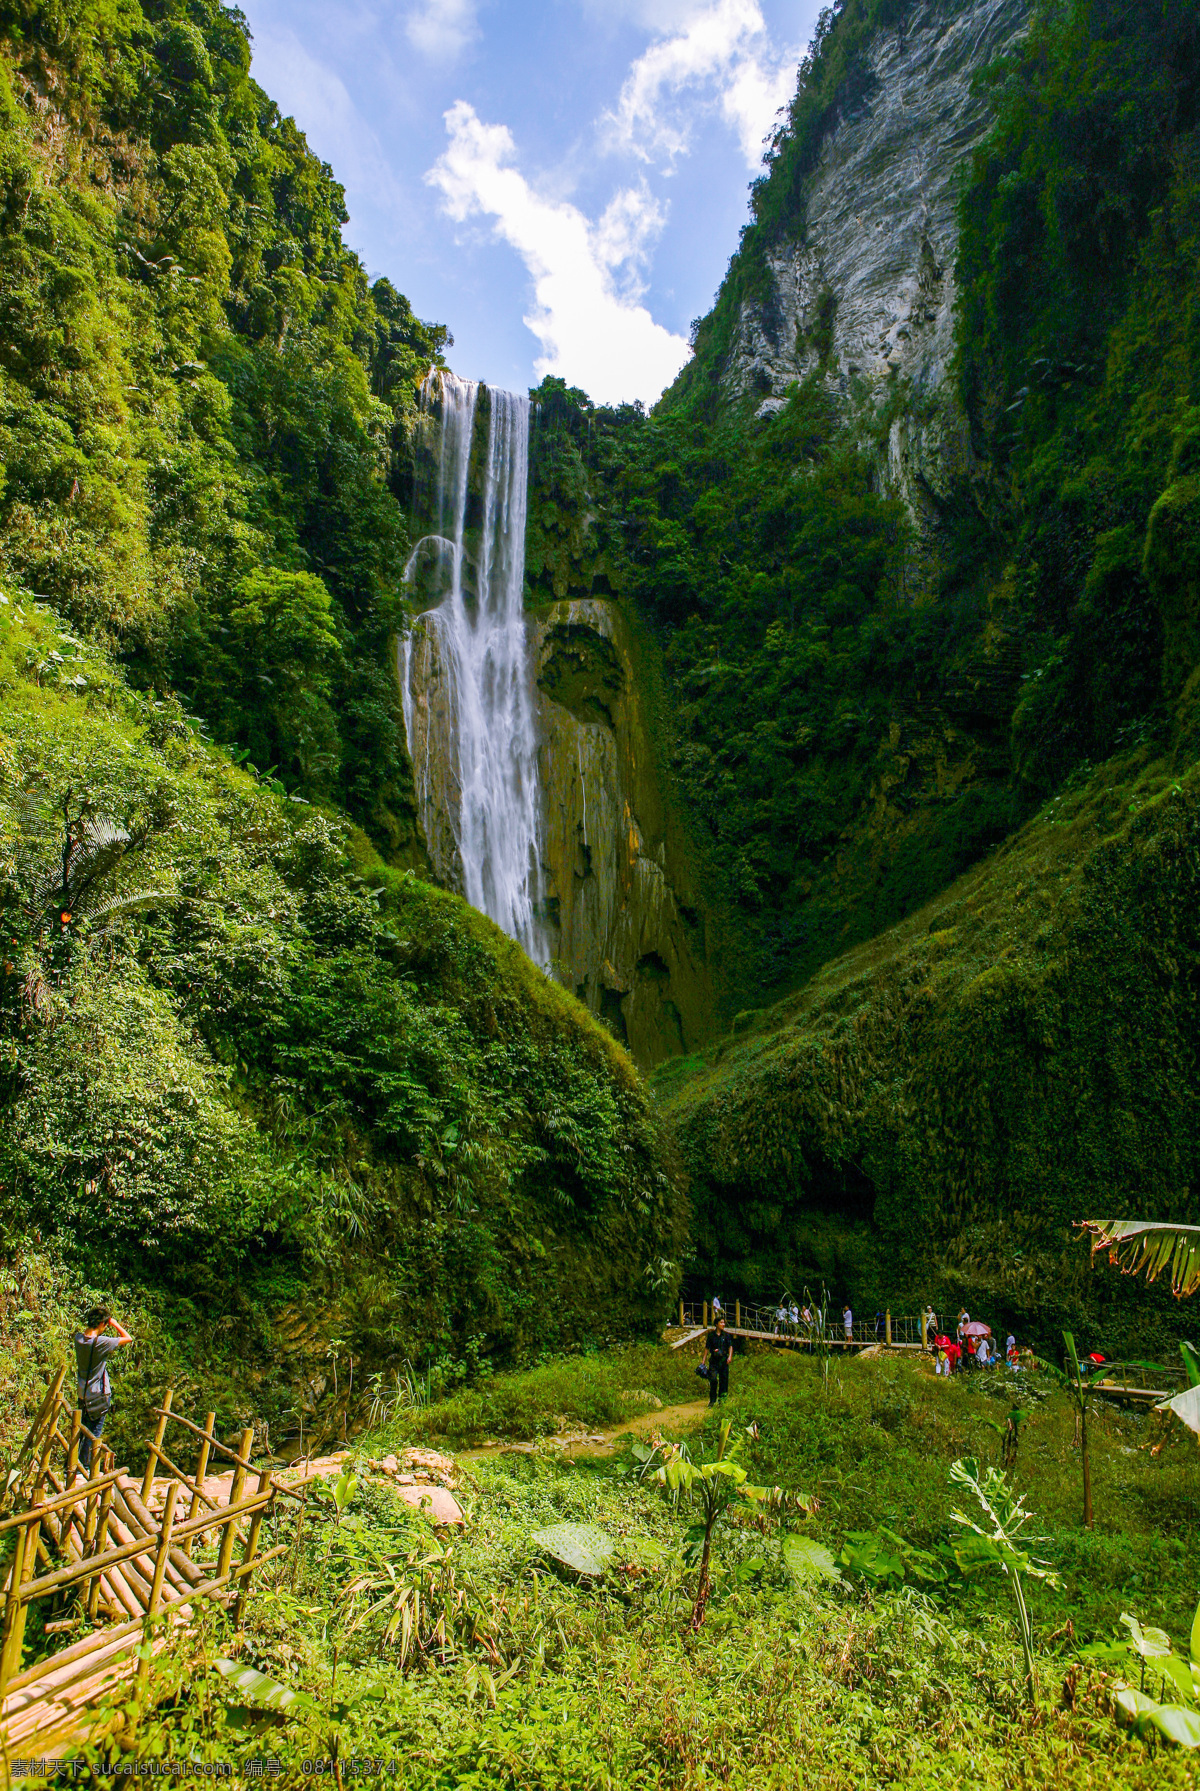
{"points": [[575, 1445]]}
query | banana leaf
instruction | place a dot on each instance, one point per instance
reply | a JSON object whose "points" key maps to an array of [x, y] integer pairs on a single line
{"points": [[1177, 1724], [1185, 1406], [1135, 1245]]}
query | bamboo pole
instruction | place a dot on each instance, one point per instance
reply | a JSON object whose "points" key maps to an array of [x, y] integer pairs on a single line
{"points": [[235, 1493], [160, 1430], [14, 1616], [888, 1326], [156, 1584], [49, 1399], [93, 1584], [737, 1314], [210, 1424], [56, 1504], [248, 1558], [78, 1570], [193, 1486], [923, 1345]]}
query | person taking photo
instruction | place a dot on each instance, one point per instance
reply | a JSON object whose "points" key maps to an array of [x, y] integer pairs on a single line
{"points": [[93, 1347]]}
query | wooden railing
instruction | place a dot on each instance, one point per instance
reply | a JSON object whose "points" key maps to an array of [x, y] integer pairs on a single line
{"points": [[100, 1543], [902, 1332]]}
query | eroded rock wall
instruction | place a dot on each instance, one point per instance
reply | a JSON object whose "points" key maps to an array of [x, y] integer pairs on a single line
{"points": [[863, 294], [628, 934]]}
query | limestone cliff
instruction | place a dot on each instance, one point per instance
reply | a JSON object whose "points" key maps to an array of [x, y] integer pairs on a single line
{"points": [[862, 290], [627, 933]]}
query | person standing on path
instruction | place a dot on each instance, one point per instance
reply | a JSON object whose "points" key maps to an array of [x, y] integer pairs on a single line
{"points": [[93, 1389], [720, 1348], [848, 1322]]}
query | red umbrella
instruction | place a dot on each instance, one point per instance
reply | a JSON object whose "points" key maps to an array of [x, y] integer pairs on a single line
{"points": [[976, 1329]]}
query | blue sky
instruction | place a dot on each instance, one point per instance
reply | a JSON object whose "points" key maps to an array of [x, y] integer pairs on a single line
{"points": [[562, 182]]}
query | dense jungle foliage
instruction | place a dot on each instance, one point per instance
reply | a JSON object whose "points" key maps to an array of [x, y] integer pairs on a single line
{"points": [[199, 390], [857, 714], [936, 1108], [853, 1646], [247, 1064]]}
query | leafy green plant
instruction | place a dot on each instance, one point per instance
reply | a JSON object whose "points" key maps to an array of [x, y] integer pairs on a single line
{"points": [[806, 1559], [1001, 1541], [712, 1487], [584, 1548], [886, 1558], [1179, 1720]]}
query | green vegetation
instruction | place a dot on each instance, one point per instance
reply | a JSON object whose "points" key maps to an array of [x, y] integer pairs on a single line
{"points": [[931, 1113], [517, 1669], [199, 393], [261, 1069]]}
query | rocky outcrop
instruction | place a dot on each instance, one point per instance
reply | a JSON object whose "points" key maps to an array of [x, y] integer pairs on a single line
{"points": [[863, 294], [626, 931]]}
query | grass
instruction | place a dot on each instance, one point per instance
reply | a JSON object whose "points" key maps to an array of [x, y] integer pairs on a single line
{"points": [[590, 1390], [538, 1680]]}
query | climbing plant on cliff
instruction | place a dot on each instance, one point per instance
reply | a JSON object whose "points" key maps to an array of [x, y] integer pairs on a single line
{"points": [[199, 389]]}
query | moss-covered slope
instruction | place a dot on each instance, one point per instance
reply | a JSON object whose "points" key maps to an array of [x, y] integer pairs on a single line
{"points": [[246, 1064], [929, 1114]]}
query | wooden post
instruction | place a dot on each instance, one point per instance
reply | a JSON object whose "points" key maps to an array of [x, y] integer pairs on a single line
{"points": [[704, 1309], [235, 1493], [93, 1586], [737, 1314], [922, 1329], [156, 1584], [160, 1431], [239, 1603], [210, 1420], [887, 1324], [49, 1404], [24, 1557], [681, 1315], [73, 1444]]}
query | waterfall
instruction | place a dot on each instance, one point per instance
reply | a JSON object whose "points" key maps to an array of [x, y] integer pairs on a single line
{"points": [[465, 675]]}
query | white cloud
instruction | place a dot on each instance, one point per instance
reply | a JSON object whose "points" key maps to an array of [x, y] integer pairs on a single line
{"points": [[721, 47], [440, 29], [592, 331]]}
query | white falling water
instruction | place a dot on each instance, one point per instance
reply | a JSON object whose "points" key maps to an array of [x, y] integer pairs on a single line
{"points": [[474, 748]]}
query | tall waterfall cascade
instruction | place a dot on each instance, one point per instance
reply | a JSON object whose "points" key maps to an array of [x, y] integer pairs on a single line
{"points": [[465, 670]]}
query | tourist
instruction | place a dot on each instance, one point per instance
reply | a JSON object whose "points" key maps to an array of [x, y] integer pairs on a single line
{"points": [[716, 1308], [848, 1322], [964, 1319], [931, 1327], [795, 1320], [807, 1319], [880, 1328], [720, 1349], [1011, 1353], [93, 1389], [781, 1319]]}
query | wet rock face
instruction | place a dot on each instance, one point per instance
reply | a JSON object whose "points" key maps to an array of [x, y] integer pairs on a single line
{"points": [[864, 295], [625, 933]]}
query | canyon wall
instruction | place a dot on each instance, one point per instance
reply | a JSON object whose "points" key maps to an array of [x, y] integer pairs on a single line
{"points": [[862, 291], [629, 934]]}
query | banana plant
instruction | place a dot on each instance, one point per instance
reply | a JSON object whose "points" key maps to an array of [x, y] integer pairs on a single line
{"points": [[1001, 1541], [712, 1487], [1146, 1245], [1178, 1721], [1081, 1392]]}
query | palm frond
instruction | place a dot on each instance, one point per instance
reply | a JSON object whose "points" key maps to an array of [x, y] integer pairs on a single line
{"points": [[1137, 1245]]}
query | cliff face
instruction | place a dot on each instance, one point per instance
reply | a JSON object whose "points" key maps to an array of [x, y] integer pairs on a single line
{"points": [[627, 933], [616, 918], [863, 293]]}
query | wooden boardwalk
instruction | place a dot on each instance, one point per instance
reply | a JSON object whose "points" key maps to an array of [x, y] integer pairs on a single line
{"points": [[759, 1324], [121, 1553]]}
